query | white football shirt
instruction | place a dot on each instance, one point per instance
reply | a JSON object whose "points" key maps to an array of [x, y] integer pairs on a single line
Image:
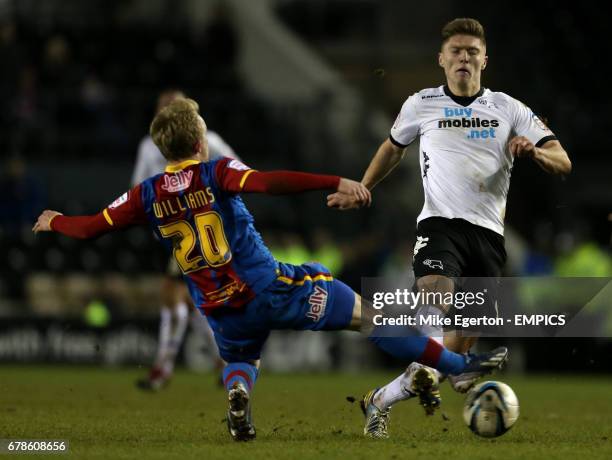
{"points": [[150, 160], [464, 156]]}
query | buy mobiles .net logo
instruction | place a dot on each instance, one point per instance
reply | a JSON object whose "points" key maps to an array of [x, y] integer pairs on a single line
{"points": [[462, 118]]}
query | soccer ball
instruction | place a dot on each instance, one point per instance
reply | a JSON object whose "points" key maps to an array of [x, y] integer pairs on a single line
{"points": [[491, 409]]}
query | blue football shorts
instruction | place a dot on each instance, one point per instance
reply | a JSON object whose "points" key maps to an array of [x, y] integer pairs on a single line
{"points": [[303, 297]]}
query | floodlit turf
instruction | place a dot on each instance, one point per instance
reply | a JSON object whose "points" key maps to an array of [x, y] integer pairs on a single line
{"points": [[103, 415]]}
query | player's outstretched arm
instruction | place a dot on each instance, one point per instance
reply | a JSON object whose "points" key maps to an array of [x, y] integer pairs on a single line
{"points": [[551, 156], [288, 182], [234, 177], [81, 227], [124, 211]]}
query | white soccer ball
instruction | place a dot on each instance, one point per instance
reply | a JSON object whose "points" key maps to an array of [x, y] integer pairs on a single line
{"points": [[491, 409]]}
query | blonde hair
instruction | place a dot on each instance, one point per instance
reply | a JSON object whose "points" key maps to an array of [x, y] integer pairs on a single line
{"points": [[177, 130], [463, 26]]}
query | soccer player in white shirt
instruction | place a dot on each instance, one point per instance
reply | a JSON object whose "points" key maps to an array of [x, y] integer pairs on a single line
{"points": [[174, 313], [469, 138]]}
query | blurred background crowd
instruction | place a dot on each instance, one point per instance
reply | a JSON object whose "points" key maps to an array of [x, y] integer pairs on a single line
{"points": [[289, 84]]}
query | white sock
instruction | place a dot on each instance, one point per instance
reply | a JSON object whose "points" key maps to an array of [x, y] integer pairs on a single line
{"points": [[395, 391], [165, 325], [399, 389], [181, 319]]}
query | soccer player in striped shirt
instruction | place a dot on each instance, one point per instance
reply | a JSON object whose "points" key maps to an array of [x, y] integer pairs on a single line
{"points": [[175, 300]]}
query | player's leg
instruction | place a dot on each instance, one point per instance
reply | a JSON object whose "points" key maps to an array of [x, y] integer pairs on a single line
{"points": [[457, 341], [416, 381], [419, 380], [485, 265], [438, 257], [404, 343], [173, 320], [307, 297], [328, 304], [173, 294], [180, 320], [239, 342], [239, 379], [463, 340]]}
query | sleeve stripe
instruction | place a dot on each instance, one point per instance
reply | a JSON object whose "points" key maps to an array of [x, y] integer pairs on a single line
{"points": [[51, 221], [107, 217], [396, 143], [244, 177], [544, 140]]}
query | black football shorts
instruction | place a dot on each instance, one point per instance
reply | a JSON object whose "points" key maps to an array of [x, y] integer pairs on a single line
{"points": [[471, 255]]}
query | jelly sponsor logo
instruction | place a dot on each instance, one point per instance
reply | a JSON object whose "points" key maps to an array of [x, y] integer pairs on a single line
{"points": [[317, 302], [177, 182]]}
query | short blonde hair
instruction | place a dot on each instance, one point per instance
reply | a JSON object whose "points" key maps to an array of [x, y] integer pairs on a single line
{"points": [[177, 130]]}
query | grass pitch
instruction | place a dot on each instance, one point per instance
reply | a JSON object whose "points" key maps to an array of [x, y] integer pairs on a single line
{"points": [[102, 415]]}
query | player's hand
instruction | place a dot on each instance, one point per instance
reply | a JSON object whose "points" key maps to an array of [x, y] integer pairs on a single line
{"points": [[521, 147], [44, 221], [342, 201], [356, 190]]}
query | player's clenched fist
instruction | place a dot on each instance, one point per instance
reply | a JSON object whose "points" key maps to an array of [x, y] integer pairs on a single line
{"points": [[43, 224], [522, 147]]}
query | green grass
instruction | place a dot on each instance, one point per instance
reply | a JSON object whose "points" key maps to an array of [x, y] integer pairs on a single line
{"points": [[297, 416]]}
